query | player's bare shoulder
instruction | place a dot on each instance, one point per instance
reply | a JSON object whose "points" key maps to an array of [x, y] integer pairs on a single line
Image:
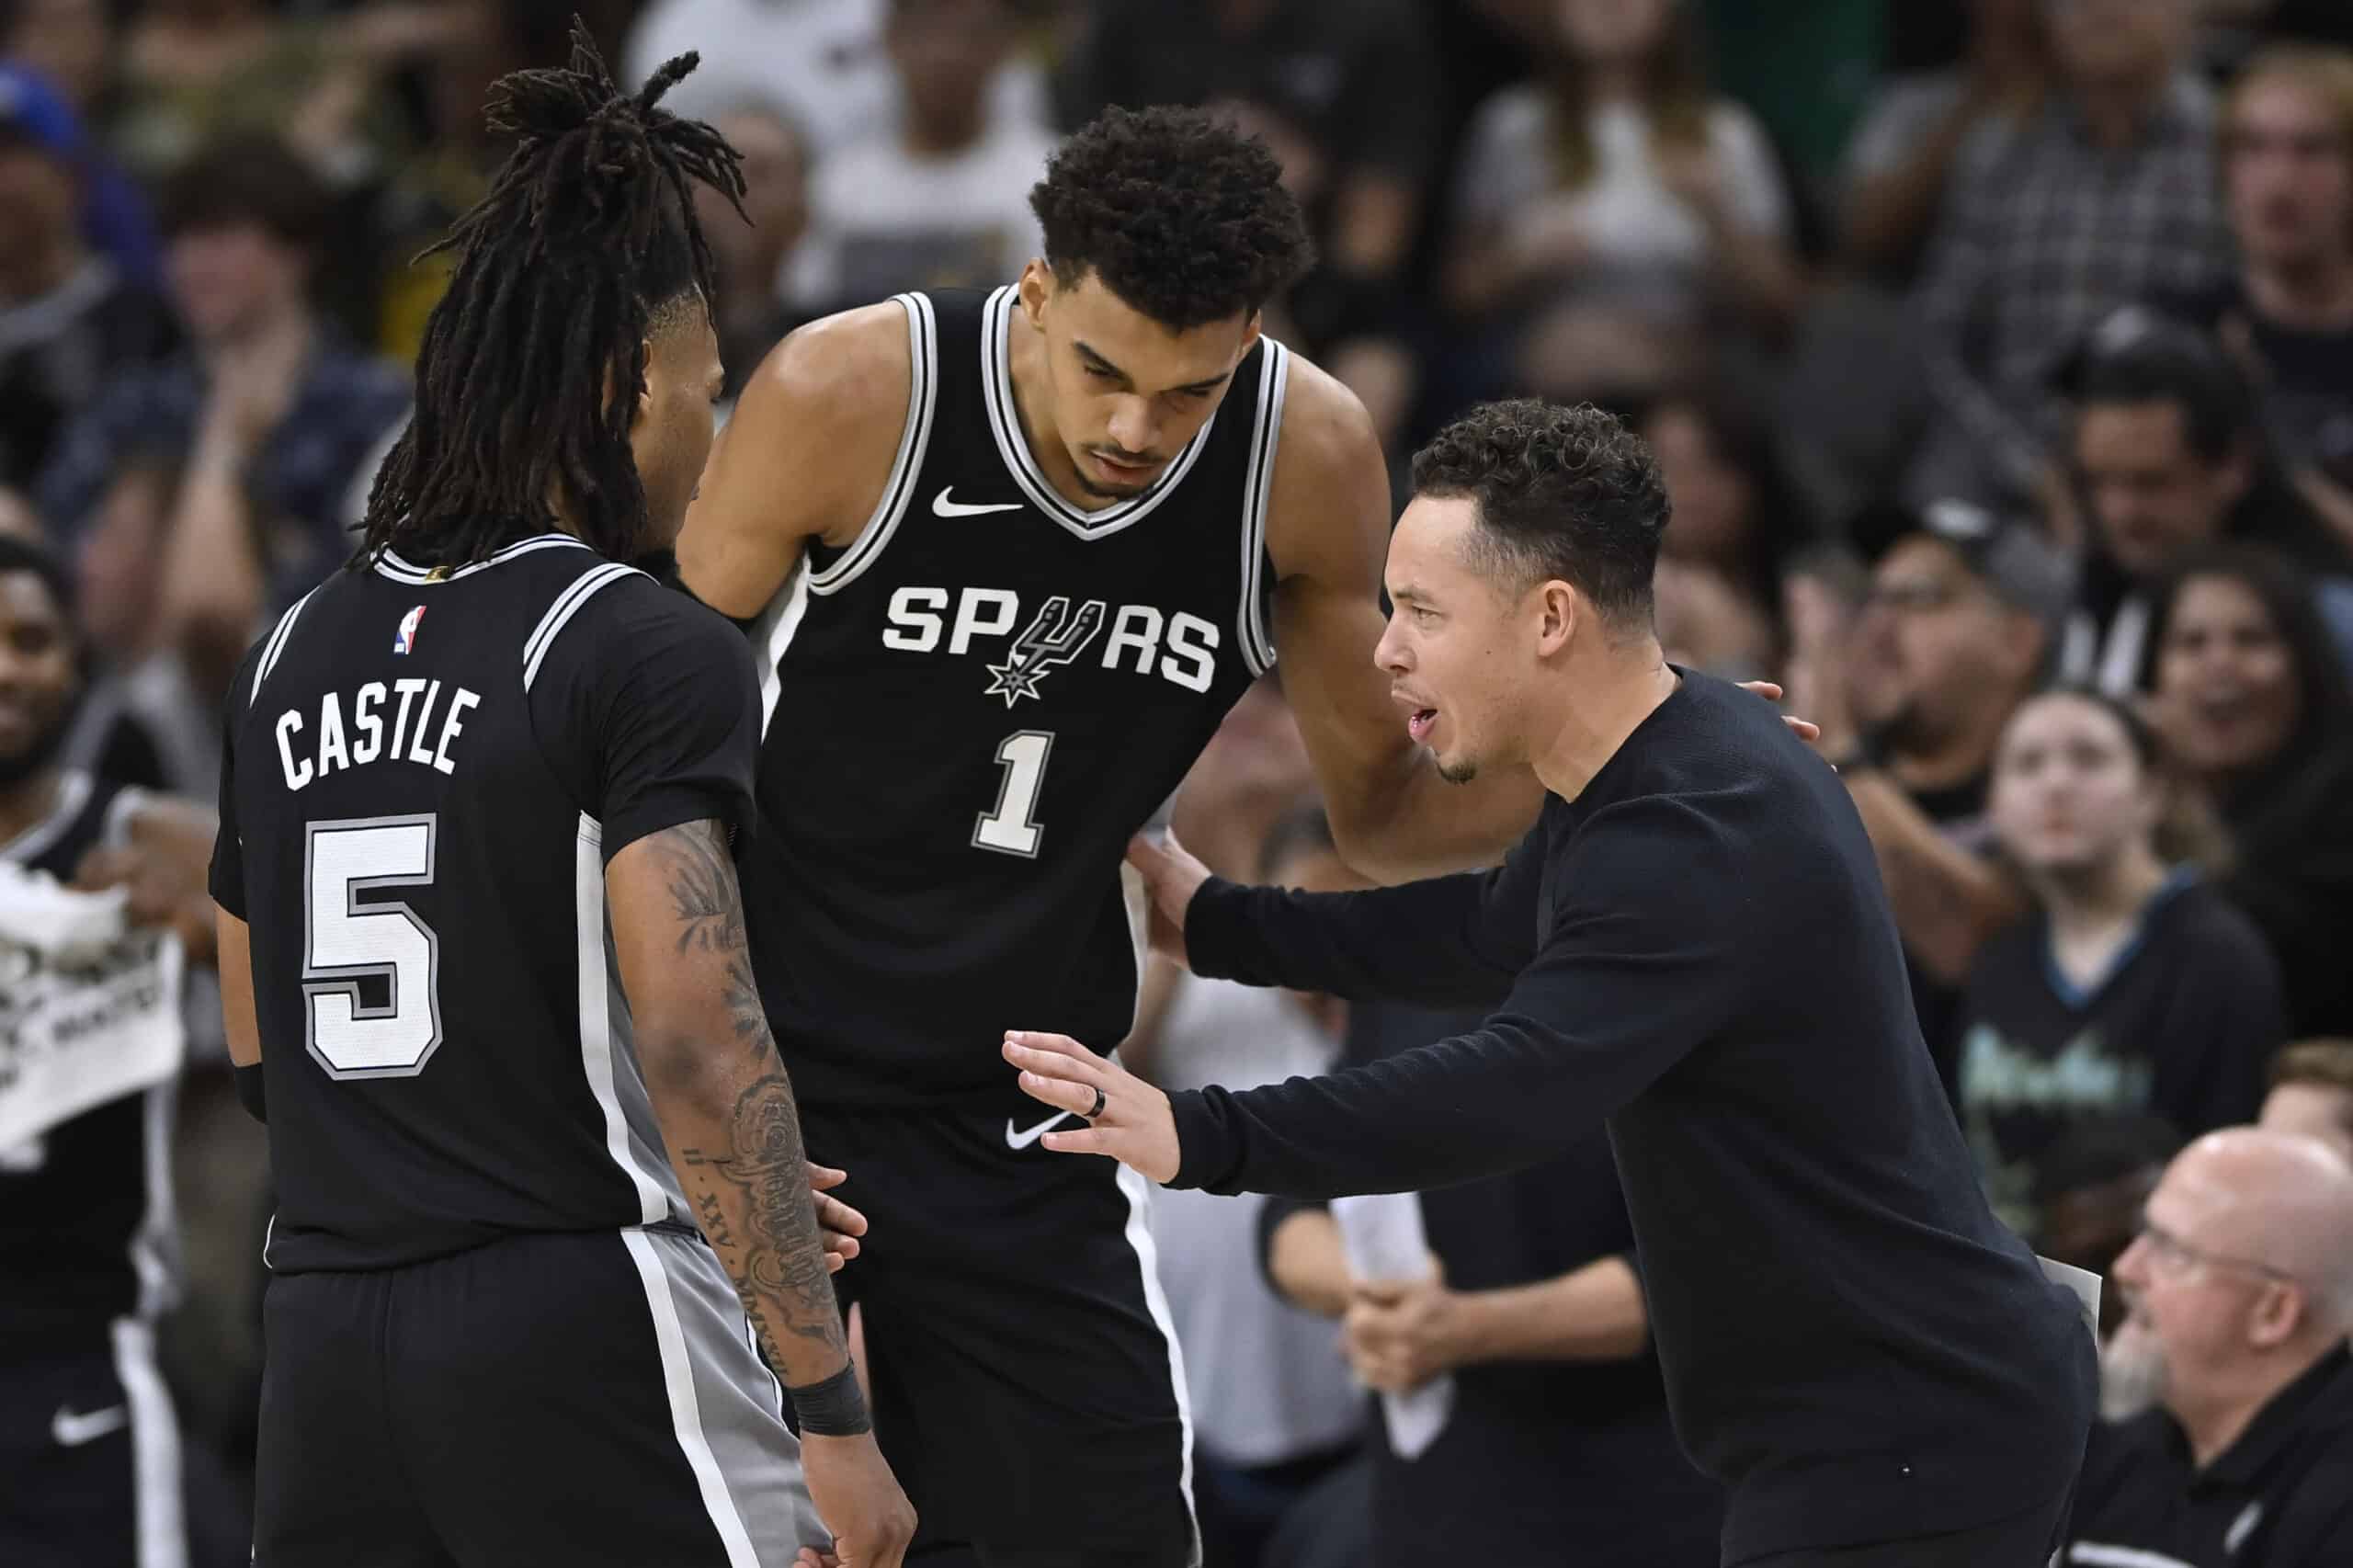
{"points": [[1330, 510], [806, 455]]}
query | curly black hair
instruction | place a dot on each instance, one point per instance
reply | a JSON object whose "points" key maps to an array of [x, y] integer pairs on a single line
{"points": [[533, 359], [1566, 493], [1180, 215]]}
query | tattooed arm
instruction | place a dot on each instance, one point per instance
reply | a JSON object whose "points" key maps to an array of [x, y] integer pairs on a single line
{"points": [[719, 1090]]}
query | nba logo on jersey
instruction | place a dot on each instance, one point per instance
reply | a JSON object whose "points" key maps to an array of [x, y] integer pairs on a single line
{"points": [[406, 638]]}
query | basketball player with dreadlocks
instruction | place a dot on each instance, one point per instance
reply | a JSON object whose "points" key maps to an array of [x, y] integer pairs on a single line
{"points": [[1007, 559], [536, 1156]]}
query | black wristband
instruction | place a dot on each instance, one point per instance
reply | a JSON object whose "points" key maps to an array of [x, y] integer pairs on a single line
{"points": [[834, 1408], [249, 1091]]}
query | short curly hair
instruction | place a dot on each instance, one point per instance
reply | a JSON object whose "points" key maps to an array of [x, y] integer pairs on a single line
{"points": [[1180, 214], [1566, 493]]}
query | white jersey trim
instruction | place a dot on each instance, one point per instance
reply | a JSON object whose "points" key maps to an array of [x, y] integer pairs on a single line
{"points": [[915, 441], [773, 635], [1138, 1192], [157, 1528], [1266, 437], [583, 588], [2100, 1556], [597, 1018], [276, 646], [1005, 424], [390, 563], [686, 1410]]}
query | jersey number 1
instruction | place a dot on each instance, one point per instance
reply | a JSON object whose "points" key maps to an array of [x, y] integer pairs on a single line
{"points": [[345, 942], [1012, 827]]}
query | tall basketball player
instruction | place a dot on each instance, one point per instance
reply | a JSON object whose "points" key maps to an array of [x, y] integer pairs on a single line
{"points": [[535, 1154], [1007, 558]]}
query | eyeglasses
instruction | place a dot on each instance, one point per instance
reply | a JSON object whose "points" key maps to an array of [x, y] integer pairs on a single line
{"points": [[2169, 1255]]}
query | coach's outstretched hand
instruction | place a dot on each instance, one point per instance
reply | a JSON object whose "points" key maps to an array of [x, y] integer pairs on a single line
{"points": [[1134, 1126], [1171, 878]]}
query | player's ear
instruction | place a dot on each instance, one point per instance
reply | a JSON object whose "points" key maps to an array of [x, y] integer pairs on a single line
{"points": [[1557, 607], [1037, 285]]}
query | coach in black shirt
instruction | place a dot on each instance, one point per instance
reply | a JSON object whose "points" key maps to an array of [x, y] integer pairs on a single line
{"points": [[1699, 950]]}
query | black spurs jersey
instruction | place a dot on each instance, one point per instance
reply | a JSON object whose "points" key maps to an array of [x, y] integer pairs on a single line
{"points": [[87, 1232], [971, 708], [424, 778]]}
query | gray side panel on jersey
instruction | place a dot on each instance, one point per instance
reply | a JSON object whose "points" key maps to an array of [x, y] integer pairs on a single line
{"points": [[1266, 437], [727, 1409], [646, 1150], [607, 1051]]}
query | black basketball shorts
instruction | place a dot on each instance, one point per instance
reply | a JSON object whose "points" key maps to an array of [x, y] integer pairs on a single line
{"points": [[89, 1452], [1027, 1390], [585, 1399]]}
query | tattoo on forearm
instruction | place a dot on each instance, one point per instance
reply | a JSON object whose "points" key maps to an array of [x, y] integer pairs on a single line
{"points": [[778, 1259], [708, 903]]}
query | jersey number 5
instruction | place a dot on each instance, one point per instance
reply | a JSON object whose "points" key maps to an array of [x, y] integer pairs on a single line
{"points": [[380, 945], [1012, 827]]}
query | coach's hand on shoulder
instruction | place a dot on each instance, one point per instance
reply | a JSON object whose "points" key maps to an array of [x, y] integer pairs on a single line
{"points": [[1805, 729], [1171, 877], [1128, 1120], [860, 1502]]}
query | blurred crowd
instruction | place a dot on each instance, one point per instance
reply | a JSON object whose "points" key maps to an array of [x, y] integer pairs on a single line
{"points": [[1998, 355]]}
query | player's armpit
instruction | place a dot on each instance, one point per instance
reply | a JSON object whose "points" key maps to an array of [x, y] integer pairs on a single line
{"points": [[718, 1089], [237, 1018], [1327, 534], [806, 455]]}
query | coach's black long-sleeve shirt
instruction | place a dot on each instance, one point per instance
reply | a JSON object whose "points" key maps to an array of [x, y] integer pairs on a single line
{"points": [[1699, 950]]}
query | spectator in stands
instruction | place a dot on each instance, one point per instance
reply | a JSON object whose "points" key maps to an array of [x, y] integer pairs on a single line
{"points": [[2105, 197], [1345, 95], [1736, 524], [750, 256], [1558, 1448], [2169, 457], [939, 199], [1619, 190], [71, 44], [1955, 633], [70, 321], [2090, 1189], [273, 408], [823, 61], [2253, 704], [2288, 314], [1922, 125], [2240, 1288], [2312, 1093], [2132, 987]]}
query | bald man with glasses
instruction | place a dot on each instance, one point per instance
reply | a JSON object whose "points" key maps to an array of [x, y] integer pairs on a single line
{"points": [[2239, 1289]]}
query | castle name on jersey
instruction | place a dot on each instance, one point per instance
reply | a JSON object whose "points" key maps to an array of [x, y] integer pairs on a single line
{"points": [[1179, 647], [310, 748]]}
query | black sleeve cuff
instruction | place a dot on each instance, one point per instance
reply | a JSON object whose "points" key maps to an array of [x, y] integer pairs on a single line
{"points": [[1207, 1148], [1221, 940]]}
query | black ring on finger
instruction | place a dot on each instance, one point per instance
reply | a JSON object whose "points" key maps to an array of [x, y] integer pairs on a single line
{"points": [[1098, 1111]]}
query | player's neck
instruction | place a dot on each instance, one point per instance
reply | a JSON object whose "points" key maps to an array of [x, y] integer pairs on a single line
{"points": [[1615, 688], [28, 800], [1025, 362]]}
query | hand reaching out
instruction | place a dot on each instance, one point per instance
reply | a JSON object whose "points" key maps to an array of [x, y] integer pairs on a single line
{"points": [[1128, 1120]]}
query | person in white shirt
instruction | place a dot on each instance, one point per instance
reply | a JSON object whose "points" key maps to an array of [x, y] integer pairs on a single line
{"points": [[941, 199]]}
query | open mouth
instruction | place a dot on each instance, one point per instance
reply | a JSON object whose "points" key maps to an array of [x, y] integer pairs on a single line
{"points": [[1420, 723]]}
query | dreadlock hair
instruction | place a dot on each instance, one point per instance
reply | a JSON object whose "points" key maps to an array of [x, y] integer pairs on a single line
{"points": [[1181, 215], [533, 359]]}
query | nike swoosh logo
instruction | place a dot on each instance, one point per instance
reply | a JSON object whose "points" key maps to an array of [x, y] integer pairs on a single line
{"points": [[71, 1431], [1024, 1139], [941, 506]]}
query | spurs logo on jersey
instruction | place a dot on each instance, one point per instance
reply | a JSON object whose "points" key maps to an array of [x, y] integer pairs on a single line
{"points": [[1053, 639], [1179, 647]]}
